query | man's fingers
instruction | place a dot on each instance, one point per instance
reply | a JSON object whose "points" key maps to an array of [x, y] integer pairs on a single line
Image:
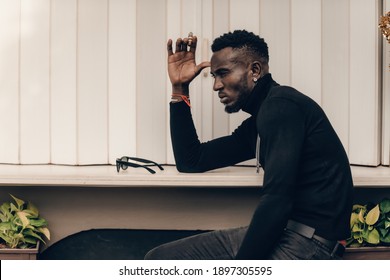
{"points": [[182, 44], [202, 66], [194, 41], [179, 43], [169, 47]]}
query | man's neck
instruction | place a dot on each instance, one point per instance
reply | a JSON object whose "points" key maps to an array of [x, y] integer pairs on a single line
{"points": [[258, 94]]}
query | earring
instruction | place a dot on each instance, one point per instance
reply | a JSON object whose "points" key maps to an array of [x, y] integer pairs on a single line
{"points": [[254, 80]]}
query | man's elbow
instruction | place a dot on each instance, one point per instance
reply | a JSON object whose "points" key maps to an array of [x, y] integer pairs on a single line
{"points": [[184, 168]]}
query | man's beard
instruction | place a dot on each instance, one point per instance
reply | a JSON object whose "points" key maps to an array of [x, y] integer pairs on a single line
{"points": [[237, 106]]}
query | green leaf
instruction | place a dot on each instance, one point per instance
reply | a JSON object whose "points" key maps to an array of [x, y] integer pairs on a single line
{"points": [[3, 218], [31, 240], [356, 235], [18, 201], [32, 209], [354, 219], [386, 239], [373, 215], [23, 218], [356, 228], [38, 222], [6, 238], [32, 234], [45, 231], [373, 237], [5, 208], [5, 226], [361, 215], [14, 208], [385, 205], [383, 232]]}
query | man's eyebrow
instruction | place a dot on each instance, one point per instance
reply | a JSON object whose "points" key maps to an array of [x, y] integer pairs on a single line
{"points": [[219, 70]]}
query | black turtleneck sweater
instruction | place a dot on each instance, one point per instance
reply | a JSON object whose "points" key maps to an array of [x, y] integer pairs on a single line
{"points": [[307, 175]]}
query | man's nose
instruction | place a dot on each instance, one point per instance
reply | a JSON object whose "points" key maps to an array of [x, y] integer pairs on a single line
{"points": [[217, 84]]}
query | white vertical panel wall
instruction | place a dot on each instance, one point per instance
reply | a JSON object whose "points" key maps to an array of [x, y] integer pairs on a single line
{"points": [[84, 81]]}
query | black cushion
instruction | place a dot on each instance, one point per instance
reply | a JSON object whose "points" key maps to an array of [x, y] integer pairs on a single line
{"points": [[110, 244]]}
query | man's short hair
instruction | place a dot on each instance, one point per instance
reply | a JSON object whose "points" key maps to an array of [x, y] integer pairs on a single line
{"points": [[252, 44]]}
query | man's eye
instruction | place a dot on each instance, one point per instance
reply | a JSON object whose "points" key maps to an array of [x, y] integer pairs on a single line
{"points": [[220, 74]]}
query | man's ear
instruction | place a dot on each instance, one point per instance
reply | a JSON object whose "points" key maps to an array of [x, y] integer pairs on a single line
{"points": [[257, 69]]}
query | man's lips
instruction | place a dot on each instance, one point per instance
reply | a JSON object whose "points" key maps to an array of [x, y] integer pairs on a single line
{"points": [[223, 98]]}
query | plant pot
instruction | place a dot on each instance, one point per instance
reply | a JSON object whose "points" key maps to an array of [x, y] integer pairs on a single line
{"points": [[367, 253], [19, 254]]}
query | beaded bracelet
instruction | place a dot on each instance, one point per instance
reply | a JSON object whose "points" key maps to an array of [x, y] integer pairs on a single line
{"points": [[183, 97]]}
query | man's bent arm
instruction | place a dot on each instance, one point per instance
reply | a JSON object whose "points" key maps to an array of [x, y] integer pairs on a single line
{"points": [[193, 156]]}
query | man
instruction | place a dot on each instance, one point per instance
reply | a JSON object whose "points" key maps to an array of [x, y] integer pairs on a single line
{"points": [[306, 198]]}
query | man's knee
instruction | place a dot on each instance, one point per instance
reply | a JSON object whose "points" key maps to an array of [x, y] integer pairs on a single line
{"points": [[155, 254]]}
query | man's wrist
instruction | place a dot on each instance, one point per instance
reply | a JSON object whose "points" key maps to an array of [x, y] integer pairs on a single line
{"points": [[180, 89], [178, 97]]}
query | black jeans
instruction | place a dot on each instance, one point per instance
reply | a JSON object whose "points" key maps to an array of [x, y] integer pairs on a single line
{"points": [[224, 245]]}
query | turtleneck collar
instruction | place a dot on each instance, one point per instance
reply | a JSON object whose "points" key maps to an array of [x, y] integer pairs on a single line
{"points": [[258, 94]]}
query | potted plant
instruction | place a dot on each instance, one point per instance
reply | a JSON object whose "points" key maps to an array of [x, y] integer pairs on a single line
{"points": [[370, 231], [21, 230]]}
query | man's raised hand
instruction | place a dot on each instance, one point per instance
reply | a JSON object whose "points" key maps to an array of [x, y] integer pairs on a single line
{"points": [[182, 68]]}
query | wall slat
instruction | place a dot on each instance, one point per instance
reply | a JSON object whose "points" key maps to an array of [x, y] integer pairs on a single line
{"points": [[221, 11], [306, 47], [122, 78], [9, 80], [151, 80], [386, 95], [335, 65], [34, 82], [364, 83], [190, 22], [173, 32], [276, 32], [92, 64], [63, 87], [204, 49]]}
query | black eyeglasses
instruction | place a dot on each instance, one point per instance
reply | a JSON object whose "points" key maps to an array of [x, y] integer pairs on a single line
{"points": [[124, 162]]}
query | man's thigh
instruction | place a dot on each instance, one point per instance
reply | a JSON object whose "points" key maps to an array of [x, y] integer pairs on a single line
{"points": [[213, 245]]}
